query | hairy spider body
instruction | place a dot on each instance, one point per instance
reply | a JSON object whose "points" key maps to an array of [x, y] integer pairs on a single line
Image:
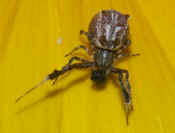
{"points": [[108, 36]]}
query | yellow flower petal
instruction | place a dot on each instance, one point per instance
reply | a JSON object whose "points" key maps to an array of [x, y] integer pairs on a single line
{"points": [[35, 36]]}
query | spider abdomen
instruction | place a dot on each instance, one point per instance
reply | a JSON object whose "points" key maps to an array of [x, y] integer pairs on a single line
{"points": [[108, 29]]}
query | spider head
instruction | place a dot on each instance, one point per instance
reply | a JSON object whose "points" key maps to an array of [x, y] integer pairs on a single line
{"points": [[98, 76]]}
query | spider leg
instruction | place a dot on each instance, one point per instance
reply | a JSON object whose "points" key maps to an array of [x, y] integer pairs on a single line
{"points": [[56, 73], [121, 55], [70, 61], [127, 43], [126, 90], [30, 90], [84, 32], [78, 47]]}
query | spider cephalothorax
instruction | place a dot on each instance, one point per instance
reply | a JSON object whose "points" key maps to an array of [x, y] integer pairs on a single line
{"points": [[108, 37]]}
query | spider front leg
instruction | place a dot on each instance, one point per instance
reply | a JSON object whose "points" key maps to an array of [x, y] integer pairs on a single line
{"points": [[70, 62], [126, 90], [77, 48], [56, 73]]}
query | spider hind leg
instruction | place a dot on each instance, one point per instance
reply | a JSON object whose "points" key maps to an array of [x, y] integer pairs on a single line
{"points": [[126, 90]]}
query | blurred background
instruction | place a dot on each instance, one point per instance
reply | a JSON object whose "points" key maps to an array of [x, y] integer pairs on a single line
{"points": [[34, 37]]}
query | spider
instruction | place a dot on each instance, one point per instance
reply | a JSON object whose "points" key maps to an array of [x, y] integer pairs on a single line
{"points": [[108, 36]]}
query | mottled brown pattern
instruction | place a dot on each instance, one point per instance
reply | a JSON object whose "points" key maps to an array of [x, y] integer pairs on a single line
{"points": [[108, 29]]}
